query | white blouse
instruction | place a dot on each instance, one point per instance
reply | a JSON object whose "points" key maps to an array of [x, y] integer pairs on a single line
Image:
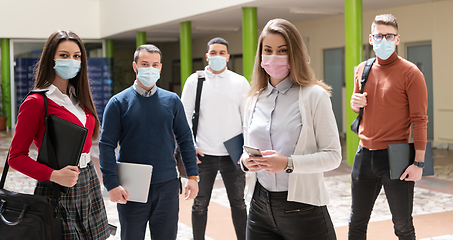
{"points": [[275, 125], [70, 103]]}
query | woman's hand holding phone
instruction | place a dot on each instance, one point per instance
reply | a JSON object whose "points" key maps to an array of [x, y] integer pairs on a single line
{"points": [[247, 160], [272, 161]]}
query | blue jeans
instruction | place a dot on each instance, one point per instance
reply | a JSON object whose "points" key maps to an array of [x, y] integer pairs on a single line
{"points": [[161, 211], [234, 181], [272, 217], [370, 172]]}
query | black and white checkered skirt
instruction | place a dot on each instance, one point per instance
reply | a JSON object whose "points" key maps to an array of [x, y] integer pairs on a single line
{"points": [[82, 210]]}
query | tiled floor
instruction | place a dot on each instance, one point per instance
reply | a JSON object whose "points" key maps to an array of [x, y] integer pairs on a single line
{"points": [[433, 203]]}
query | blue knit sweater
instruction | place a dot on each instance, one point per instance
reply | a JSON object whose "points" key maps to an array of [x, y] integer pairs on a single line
{"points": [[144, 128]]}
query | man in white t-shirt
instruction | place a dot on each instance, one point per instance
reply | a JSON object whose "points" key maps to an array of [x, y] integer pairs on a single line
{"points": [[221, 109]]}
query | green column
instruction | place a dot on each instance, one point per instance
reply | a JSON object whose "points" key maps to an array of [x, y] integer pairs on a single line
{"points": [[353, 55], [108, 47], [141, 38], [249, 39], [6, 86], [185, 45]]}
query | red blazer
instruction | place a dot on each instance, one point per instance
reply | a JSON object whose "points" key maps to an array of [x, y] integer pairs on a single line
{"points": [[30, 127]]}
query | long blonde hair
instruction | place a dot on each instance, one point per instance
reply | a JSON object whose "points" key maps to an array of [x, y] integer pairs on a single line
{"points": [[301, 72]]}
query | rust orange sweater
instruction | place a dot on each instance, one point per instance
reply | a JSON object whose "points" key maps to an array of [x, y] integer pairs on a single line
{"points": [[396, 99]]}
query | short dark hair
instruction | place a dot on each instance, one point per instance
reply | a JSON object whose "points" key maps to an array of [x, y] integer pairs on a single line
{"points": [[384, 19], [218, 40], [147, 48]]}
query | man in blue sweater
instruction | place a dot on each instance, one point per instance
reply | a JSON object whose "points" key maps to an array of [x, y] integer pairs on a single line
{"points": [[144, 120]]}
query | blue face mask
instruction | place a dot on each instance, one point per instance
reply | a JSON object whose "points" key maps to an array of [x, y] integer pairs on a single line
{"points": [[383, 49], [217, 63], [67, 68], [148, 76]]}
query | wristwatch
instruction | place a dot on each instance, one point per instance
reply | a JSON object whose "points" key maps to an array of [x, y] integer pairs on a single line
{"points": [[290, 167], [419, 164], [196, 178]]}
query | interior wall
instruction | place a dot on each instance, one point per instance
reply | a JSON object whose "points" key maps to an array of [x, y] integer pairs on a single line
{"points": [[137, 14], [39, 19], [442, 24]]}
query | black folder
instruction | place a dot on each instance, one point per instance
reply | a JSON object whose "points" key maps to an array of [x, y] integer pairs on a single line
{"points": [[62, 144], [402, 155], [234, 148]]}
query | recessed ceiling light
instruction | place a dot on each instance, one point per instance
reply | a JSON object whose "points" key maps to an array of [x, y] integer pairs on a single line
{"points": [[314, 11], [161, 39], [217, 28]]}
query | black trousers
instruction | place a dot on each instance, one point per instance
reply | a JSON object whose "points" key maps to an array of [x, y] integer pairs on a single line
{"points": [[234, 181], [272, 217], [369, 173]]}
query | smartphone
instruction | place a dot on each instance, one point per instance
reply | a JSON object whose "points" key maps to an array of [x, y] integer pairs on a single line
{"points": [[253, 151]]}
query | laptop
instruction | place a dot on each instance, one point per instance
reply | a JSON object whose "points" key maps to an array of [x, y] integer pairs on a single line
{"points": [[402, 155], [136, 179]]}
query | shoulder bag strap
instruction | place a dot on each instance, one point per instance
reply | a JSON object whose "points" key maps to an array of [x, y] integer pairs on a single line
{"points": [[6, 167], [5, 172], [56, 188], [366, 72], [196, 114]]}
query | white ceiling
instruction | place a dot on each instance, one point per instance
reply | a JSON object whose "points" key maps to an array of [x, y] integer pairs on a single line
{"points": [[230, 20]]}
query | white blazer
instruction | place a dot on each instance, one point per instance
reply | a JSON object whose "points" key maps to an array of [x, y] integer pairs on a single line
{"points": [[318, 148]]}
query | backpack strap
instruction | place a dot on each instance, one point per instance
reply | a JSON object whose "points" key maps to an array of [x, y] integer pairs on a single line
{"points": [[366, 72], [196, 114]]}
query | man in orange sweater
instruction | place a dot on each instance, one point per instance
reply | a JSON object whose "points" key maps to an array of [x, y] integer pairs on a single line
{"points": [[394, 99]]}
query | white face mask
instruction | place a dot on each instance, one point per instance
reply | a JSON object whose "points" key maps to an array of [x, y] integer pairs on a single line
{"points": [[67, 68], [384, 48], [148, 76], [217, 63]]}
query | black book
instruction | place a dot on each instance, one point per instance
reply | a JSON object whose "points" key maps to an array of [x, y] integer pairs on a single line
{"points": [[234, 148], [62, 144], [402, 155]]}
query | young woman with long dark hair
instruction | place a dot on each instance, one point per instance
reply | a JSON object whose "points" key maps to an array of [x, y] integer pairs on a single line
{"points": [[62, 71]]}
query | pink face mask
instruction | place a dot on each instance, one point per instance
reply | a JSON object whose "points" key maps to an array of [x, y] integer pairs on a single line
{"points": [[277, 66]]}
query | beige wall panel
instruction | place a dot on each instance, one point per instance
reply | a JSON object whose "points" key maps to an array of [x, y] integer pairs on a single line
{"points": [[38, 19], [442, 74], [117, 17], [445, 130]]}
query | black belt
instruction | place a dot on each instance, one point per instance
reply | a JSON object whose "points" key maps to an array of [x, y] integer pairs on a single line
{"points": [[261, 190]]}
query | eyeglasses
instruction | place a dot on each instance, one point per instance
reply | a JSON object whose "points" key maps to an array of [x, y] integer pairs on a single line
{"points": [[389, 37]]}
